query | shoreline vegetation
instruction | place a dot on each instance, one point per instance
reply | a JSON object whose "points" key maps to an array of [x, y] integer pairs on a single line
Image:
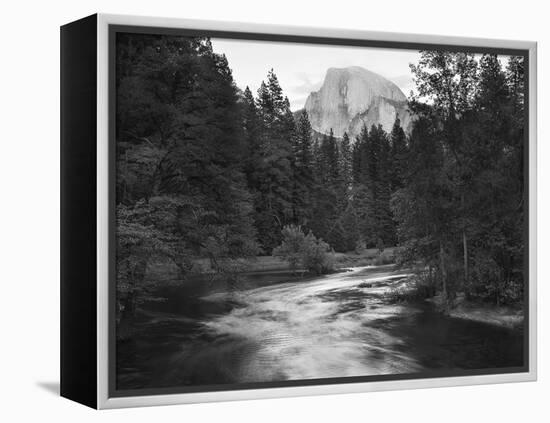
{"points": [[405, 290]]}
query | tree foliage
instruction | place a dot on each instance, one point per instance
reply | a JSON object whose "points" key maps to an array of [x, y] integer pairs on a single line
{"points": [[460, 209], [181, 191], [207, 173], [304, 251]]}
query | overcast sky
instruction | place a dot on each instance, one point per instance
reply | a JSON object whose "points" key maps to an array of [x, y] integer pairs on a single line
{"points": [[301, 68]]}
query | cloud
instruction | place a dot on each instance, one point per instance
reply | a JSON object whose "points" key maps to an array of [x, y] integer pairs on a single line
{"points": [[298, 103], [304, 85], [405, 83]]}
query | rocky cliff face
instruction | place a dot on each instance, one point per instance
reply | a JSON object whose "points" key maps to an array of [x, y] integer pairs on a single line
{"points": [[352, 97]]}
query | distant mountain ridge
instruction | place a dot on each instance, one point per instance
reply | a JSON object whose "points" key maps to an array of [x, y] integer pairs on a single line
{"points": [[353, 97]]}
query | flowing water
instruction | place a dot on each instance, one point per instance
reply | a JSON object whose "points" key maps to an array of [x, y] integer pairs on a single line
{"points": [[332, 326]]}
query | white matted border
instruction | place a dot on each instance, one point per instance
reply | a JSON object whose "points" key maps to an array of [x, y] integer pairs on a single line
{"points": [[103, 400]]}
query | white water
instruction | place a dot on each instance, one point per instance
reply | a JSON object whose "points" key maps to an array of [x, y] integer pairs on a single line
{"points": [[317, 329]]}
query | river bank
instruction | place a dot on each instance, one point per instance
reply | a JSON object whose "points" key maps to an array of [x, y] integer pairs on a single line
{"points": [[334, 325], [263, 271], [511, 317], [503, 316], [372, 256]]}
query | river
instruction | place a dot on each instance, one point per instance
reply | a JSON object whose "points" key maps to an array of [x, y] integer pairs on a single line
{"points": [[332, 326]]}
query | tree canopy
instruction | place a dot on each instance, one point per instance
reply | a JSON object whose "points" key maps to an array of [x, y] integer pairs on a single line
{"points": [[207, 172]]}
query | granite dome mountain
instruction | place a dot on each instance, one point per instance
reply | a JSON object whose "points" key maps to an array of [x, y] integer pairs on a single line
{"points": [[352, 97]]}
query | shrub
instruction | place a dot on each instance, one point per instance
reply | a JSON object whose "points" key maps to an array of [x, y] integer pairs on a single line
{"points": [[316, 255], [384, 258], [380, 245], [360, 247], [490, 283], [292, 246], [418, 288], [306, 251]]}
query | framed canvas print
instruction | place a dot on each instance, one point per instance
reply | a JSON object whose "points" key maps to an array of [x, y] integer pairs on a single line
{"points": [[254, 211]]}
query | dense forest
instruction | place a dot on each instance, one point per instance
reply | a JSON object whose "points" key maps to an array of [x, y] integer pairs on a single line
{"points": [[210, 176]]}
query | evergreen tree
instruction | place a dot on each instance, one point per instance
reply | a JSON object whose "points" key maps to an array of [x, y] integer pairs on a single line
{"points": [[398, 155], [329, 159], [181, 191], [303, 172], [362, 197], [345, 166], [357, 156], [459, 206], [326, 195], [515, 79], [386, 230], [449, 82], [496, 187], [273, 199], [423, 206], [252, 135]]}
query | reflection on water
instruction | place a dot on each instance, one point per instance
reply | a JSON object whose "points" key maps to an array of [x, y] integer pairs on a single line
{"points": [[333, 326]]}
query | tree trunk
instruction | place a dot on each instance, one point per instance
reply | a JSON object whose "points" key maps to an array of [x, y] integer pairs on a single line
{"points": [[129, 309], [180, 272], [443, 277], [125, 325], [465, 248], [130, 304], [466, 265], [431, 281]]}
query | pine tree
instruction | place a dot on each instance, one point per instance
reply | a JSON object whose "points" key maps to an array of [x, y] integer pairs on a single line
{"points": [[273, 199], [423, 206], [358, 163], [252, 135], [496, 156], [372, 156], [515, 79], [181, 191], [345, 165], [303, 172], [378, 179], [328, 151], [362, 204], [449, 81], [276, 94], [398, 156]]}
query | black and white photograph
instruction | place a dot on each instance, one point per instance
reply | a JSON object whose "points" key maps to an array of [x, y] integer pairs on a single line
{"points": [[294, 211], [290, 211]]}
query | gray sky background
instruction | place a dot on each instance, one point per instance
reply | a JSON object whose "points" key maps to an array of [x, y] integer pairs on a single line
{"points": [[301, 68]]}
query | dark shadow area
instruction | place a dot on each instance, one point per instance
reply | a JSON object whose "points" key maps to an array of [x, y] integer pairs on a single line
{"points": [[51, 387]]}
